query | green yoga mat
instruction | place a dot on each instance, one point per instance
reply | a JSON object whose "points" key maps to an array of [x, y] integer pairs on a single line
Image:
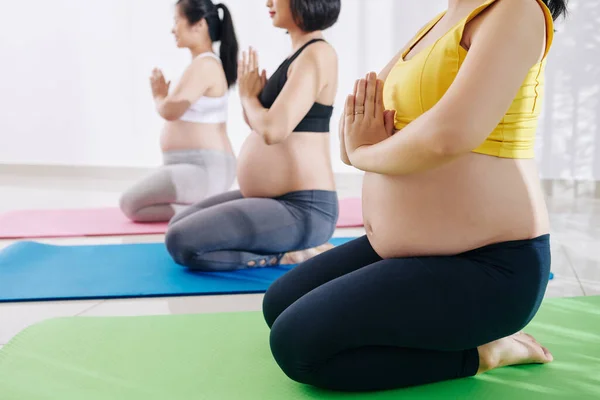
{"points": [[226, 356]]}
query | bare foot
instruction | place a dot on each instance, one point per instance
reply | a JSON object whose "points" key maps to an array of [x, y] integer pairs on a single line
{"points": [[516, 349], [297, 257]]}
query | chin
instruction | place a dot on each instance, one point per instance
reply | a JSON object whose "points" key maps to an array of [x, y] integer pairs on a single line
{"points": [[276, 23]]}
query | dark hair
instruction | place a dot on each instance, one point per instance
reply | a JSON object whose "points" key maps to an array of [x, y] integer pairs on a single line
{"points": [[219, 30], [558, 8], [315, 15]]}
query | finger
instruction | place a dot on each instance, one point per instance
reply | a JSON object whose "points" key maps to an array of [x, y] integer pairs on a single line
{"points": [[251, 60], [264, 77], [240, 68], [255, 60], [370, 95], [244, 62], [355, 86], [349, 108], [359, 106], [379, 99], [389, 119]]}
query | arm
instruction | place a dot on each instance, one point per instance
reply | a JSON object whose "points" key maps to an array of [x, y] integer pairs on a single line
{"points": [[292, 104], [193, 84], [382, 75], [461, 121], [342, 133]]}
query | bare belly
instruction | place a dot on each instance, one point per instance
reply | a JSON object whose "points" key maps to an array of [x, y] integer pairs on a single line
{"points": [[472, 202], [183, 135], [301, 162]]}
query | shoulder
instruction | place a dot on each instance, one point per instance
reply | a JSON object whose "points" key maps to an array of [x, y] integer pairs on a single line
{"points": [[204, 64], [318, 55], [521, 21], [524, 16]]}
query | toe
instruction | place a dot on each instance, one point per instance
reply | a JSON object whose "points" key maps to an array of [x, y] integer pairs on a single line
{"points": [[548, 355]]}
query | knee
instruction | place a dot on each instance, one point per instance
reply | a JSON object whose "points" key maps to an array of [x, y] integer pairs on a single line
{"points": [[128, 205], [184, 248], [274, 303], [176, 241], [291, 349]]}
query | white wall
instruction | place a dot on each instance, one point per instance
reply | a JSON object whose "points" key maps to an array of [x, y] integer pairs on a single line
{"points": [[74, 76], [74, 87]]}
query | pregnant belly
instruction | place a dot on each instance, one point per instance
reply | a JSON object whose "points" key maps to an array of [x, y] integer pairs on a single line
{"points": [[300, 162], [263, 171], [181, 135], [473, 202]]}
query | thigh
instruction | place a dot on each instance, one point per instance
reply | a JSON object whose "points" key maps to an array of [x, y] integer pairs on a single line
{"points": [[207, 203], [191, 182], [155, 188], [258, 225], [315, 272], [428, 303]]}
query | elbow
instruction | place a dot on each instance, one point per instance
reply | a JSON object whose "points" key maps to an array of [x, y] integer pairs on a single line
{"points": [[273, 134], [346, 160], [271, 138], [171, 110], [451, 143], [169, 114], [170, 117]]}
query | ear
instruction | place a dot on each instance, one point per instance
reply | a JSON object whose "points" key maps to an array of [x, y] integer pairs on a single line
{"points": [[198, 26]]}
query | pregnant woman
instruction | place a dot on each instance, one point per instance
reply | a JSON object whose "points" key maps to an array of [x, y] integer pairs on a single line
{"points": [[198, 157], [456, 258]]}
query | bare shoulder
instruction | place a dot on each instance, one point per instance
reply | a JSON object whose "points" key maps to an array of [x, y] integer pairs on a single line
{"points": [[510, 18], [319, 54], [524, 15], [205, 63]]}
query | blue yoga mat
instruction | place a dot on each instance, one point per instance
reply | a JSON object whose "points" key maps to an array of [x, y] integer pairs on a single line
{"points": [[31, 271]]}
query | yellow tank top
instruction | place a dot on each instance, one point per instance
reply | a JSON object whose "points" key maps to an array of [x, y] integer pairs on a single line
{"points": [[416, 85]]}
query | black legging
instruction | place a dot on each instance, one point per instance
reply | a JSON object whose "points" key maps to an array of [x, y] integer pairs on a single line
{"points": [[347, 320]]}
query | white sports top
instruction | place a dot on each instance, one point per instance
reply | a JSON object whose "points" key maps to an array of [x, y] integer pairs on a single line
{"points": [[208, 110]]}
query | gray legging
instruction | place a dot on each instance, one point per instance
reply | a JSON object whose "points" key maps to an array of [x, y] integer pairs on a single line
{"points": [[229, 232], [187, 177]]}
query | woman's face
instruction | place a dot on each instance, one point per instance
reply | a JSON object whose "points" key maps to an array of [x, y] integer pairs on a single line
{"points": [[185, 34], [281, 13]]}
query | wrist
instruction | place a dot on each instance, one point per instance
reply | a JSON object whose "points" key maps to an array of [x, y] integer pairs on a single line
{"points": [[159, 99], [247, 99], [357, 156]]}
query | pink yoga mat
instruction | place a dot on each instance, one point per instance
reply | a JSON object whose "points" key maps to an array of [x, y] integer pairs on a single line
{"points": [[350, 213], [72, 223], [111, 222]]}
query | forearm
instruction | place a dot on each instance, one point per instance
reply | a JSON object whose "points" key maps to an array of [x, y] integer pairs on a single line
{"points": [[169, 109], [343, 152], [416, 148], [259, 120]]}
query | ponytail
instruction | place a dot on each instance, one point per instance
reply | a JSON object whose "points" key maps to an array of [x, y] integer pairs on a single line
{"points": [[218, 30], [229, 46], [558, 8]]}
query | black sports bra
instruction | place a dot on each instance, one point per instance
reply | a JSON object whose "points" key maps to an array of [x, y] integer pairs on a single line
{"points": [[318, 117]]}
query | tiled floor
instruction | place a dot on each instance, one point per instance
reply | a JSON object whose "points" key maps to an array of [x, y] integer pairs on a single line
{"points": [[575, 235]]}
